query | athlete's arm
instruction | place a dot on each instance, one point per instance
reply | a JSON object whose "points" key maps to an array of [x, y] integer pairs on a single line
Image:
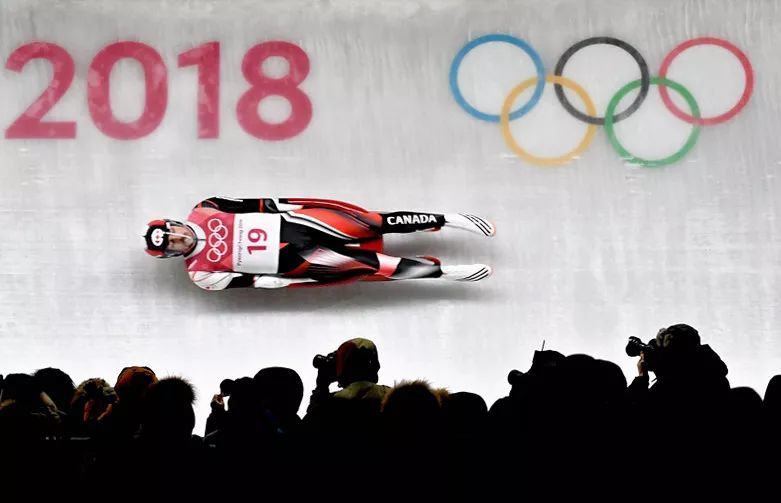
{"points": [[221, 280], [261, 205], [225, 280], [232, 205]]}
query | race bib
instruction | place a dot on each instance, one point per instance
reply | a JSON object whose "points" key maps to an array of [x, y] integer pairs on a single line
{"points": [[256, 243]]}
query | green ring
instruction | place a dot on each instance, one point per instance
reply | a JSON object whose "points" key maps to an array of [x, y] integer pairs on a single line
{"points": [[652, 163]]}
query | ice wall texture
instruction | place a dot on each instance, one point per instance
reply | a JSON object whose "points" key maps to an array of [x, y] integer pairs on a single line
{"points": [[587, 253]]}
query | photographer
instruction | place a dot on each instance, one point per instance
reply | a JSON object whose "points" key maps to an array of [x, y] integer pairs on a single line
{"points": [[685, 368], [354, 367], [684, 411], [686, 405], [349, 419], [218, 414]]}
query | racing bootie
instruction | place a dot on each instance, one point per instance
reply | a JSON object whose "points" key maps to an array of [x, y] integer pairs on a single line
{"points": [[472, 272], [470, 223]]}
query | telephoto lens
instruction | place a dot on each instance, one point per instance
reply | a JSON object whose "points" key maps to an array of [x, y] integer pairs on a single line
{"points": [[319, 361], [635, 346], [514, 377]]}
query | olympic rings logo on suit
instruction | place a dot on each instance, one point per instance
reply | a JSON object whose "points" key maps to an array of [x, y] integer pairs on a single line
{"points": [[611, 117], [216, 240]]}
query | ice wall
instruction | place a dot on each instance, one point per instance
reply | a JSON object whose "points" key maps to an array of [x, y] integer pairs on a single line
{"points": [[587, 253]]}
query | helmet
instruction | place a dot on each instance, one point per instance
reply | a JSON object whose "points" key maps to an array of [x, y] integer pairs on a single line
{"points": [[157, 238]]}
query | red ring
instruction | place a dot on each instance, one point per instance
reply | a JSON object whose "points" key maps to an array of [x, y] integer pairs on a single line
{"points": [[732, 112]]}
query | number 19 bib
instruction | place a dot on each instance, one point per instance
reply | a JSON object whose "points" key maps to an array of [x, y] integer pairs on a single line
{"points": [[256, 243]]}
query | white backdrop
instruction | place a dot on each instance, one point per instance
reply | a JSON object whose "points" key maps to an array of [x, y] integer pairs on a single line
{"points": [[586, 253]]}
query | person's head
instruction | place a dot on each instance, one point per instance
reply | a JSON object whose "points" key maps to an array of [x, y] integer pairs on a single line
{"points": [[168, 238], [133, 382], [92, 399], [412, 409], [544, 367], [280, 390], [675, 350], [57, 384], [357, 360], [26, 411], [21, 388], [679, 338], [244, 398], [465, 414], [168, 410]]}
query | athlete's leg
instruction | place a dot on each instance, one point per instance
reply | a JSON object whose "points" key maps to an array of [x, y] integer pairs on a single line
{"points": [[343, 264], [396, 268], [334, 226], [360, 226], [410, 221], [311, 257], [402, 222], [356, 226]]}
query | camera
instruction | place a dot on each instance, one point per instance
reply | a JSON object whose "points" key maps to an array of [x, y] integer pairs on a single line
{"points": [[516, 377], [321, 362], [543, 362], [326, 366], [635, 346], [653, 355]]}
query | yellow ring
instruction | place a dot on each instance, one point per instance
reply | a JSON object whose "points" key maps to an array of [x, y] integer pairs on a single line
{"points": [[547, 161]]}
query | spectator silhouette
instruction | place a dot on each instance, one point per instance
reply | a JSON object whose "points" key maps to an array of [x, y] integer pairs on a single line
{"points": [[30, 429], [91, 402], [688, 373], [465, 417], [514, 419], [168, 418], [465, 432], [123, 420], [342, 429], [414, 438], [26, 412], [244, 427], [58, 385], [280, 391], [686, 406], [165, 455], [412, 415], [247, 449], [355, 369], [356, 407]]}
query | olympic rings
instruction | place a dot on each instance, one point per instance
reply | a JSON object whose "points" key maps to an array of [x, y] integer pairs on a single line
{"points": [[662, 83], [496, 37], [216, 225], [645, 78], [216, 240], [610, 117], [732, 112], [547, 161]]}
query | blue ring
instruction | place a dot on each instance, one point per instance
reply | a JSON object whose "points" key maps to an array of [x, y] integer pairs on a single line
{"points": [[496, 37]]}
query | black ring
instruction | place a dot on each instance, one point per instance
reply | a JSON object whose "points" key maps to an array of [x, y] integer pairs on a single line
{"points": [[645, 79]]}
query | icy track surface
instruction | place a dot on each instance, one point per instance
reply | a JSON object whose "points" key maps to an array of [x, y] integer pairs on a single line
{"points": [[586, 254]]}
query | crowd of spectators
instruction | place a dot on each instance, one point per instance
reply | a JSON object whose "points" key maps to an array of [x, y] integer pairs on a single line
{"points": [[570, 425]]}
